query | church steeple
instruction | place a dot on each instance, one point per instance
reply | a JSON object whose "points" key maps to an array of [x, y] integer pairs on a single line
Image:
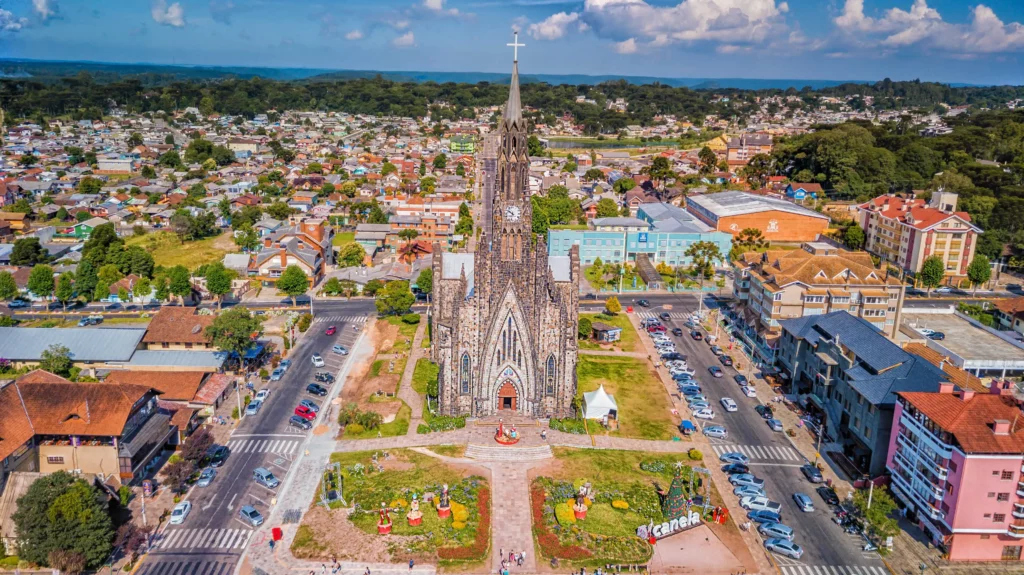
{"points": [[511, 210], [513, 108]]}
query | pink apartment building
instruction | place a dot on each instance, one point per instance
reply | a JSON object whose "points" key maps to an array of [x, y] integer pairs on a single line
{"points": [[956, 460]]}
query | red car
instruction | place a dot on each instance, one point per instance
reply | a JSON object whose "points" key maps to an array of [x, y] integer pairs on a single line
{"points": [[331, 330], [305, 413]]}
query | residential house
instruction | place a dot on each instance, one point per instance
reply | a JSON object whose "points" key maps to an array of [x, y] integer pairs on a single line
{"points": [[307, 245], [1009, 314], [178, 327], [745, 146], [16, 221], [799, 192]]}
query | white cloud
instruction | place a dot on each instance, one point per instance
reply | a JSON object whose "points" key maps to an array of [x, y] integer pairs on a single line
{"points": [[11, 23], [405, 40], [46, 9], [923, 26], [437, 6], [400, 24], [173, 15], [626, 46], [553, 27], [354, 35], [519, 23]]}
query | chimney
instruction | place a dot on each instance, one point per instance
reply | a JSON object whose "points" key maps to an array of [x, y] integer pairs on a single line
{"points": [[1001, 427], [1000, 387], [946, 387], [966, 394], [266, 242], [284, 258]]}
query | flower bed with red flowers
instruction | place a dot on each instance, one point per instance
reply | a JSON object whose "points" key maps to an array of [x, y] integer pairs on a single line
{"points": [[478, 550], [550, 546]]}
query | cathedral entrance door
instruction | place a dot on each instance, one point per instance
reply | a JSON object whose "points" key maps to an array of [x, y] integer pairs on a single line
{"points": [[508, 399]]}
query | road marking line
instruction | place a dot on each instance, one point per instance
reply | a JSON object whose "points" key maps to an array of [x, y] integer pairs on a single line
{"points": [[269, 435], [244, 540], [753, 464], [231, 504], [212, 499]]}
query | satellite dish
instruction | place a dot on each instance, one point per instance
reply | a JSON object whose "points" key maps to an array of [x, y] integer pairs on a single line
{"points": [[197, 328]]}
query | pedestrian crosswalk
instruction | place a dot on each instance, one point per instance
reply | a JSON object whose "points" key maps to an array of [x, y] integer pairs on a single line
{"points": [[211, 539], [833, 570], [651, 314], [341, 318], [761, 452], [159, 567], [276, 446]]}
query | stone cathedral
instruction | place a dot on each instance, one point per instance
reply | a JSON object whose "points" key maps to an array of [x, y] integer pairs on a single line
{"points": [[505, 317]]}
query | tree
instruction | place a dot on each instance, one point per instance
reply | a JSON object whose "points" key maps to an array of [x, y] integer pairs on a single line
{"points": [[757, 170], [170, 159], [387, 169], [66, 562], [135, 139], [623, 185], [177, 474], [853, 237], [377, 216], [878, 517], [464, 211], [747, 240], [570, 166], [660, 169], [279, 210], [62, 214], [612, 305], [56, 359], [26, 160], [979, 271], [246, 238], [708, 160], [607, 208], [130, 538], [372, 287], [65, 290], [293, 282], [464, 226], [593, 175], [585, 328], [395, 299], [148, 172], [40, 281], [534, 147], [460, 170], [28, 252], [218, 281], [425, 281], [440, 161], [932, 273], [703, 256], [179, 282], [109, 274], [123, 295], [143, 288], [86, 279], [8, 286], [63, 514], [408, 234], [82, 215], [351, 255], [101, 240], [195, 447], [233, 331]]}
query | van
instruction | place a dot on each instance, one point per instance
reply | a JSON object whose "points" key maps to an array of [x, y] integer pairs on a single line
{"points": [[264, 477], [776, 530]]}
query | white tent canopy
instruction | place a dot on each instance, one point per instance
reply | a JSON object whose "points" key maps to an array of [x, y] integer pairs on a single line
{"points": [[598, 404]]}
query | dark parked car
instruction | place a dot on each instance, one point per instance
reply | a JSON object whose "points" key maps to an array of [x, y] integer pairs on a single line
{"points": [[715, 371], [643, 303], [696, 335], [764, 411], [296, 421], [664, 316], [937, 336], [764, 516], [678, 332], [828, 495], [316, 389], [740, 379], [735, 468], [726, 360], [811, 473], [218, 454]]}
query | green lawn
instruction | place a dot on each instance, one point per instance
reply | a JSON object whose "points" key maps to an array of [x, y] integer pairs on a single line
{"points": [[168, 251], [644, 407], [629, 341], [406, 331], [568, 227], [342, 238], [425, 372], [399, 426]]}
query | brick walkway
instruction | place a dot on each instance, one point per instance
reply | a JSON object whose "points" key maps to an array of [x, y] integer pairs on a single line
{"points": [[635, 354], [511, 524], [405, 391]]}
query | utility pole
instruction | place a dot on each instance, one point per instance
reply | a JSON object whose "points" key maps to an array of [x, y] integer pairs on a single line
{"points": [[871, 491]]}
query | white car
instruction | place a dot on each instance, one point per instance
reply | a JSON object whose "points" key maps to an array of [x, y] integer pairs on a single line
{"points": [[943, 290], [734, 457], [180, 512], [749, 391], [925, 331], [729, 404], [262, 395], [705, 413], [317, 360]]}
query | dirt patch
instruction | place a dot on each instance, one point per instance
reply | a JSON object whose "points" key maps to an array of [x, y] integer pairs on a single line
{"points": [[385, 335], [387, 409], [321, 429], [333, 534]]}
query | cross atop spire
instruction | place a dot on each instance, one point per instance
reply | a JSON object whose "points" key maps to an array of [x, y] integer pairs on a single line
{"points": [[515, 46]]}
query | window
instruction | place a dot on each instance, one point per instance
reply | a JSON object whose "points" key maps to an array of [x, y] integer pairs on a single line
{"points": [[464, 374], [549, 376], [1007, 476], [999, 518], [1003, 497], [991, 494], [55, 459], [985, 536]]}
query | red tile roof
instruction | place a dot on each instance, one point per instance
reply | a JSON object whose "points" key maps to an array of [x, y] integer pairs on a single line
{"points": [[971, 421], [921, 216], [178, 325], [173, 386]]}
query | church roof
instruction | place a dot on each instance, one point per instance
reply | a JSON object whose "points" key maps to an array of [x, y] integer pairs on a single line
{"points": [[513, 108], [561, 268], [452, 265]]}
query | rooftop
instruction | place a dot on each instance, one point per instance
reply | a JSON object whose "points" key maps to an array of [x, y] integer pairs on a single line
{"points": [[178, 325], [672, 219], [86, 344], [968, 345], [972, 419], [726, 204]]}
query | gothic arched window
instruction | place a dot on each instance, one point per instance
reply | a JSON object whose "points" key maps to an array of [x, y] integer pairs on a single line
{"points": [[464, 375], [549, 376]]}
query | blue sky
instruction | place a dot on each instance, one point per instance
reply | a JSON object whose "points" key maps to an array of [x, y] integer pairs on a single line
{"points": [[941, 40]]}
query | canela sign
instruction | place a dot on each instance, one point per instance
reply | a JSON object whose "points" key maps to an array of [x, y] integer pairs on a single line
{"points": [[660, 530]]}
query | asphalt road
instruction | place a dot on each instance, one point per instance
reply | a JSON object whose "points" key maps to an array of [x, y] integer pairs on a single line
{"points": [[212, 538], [772, 456]]}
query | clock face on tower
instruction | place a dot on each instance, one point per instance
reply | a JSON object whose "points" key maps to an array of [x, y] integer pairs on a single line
{"points": [[512, 213]]}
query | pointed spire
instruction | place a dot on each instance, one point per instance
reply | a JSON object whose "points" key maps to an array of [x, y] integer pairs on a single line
{"points": [[513, 109]]}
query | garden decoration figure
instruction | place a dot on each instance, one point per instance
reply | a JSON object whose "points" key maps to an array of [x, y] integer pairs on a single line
{"points": [[506, 436], [415, 516], [384, 523], [580, 507], [444, 507]]}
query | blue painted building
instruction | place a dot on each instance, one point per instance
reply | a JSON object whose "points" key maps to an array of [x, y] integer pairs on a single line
{"points": [[662, 231]]}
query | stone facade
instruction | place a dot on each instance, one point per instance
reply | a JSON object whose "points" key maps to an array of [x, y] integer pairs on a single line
{"points": [[505, 317]]}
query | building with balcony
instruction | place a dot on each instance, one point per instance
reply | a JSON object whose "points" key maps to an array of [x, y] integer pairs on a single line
{"points": [[850, 374], [307, 245], [905, 232], [819, 278], [956, 460]]}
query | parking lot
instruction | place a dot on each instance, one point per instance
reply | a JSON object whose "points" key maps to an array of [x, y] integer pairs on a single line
{"points": [[971, 348]]}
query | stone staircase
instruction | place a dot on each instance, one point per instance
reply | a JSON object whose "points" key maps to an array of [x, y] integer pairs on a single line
{"points": [[508, 453]]}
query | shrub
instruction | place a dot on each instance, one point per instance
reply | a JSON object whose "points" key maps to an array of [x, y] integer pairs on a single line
{"points": [[11, 561], [370, 419], [411, 318], [446, 423], [423, 429], [399, 503], [264, 374], [354, 428], [653, 466], [458, 525], [620, 504], [305, 320], [478, 550], [459, 512], [564, 514], [124, 493], [234, 413], [695, 455], [577, 426]]}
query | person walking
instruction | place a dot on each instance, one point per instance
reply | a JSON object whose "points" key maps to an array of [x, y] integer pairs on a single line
{"points": [[411, 563]]}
